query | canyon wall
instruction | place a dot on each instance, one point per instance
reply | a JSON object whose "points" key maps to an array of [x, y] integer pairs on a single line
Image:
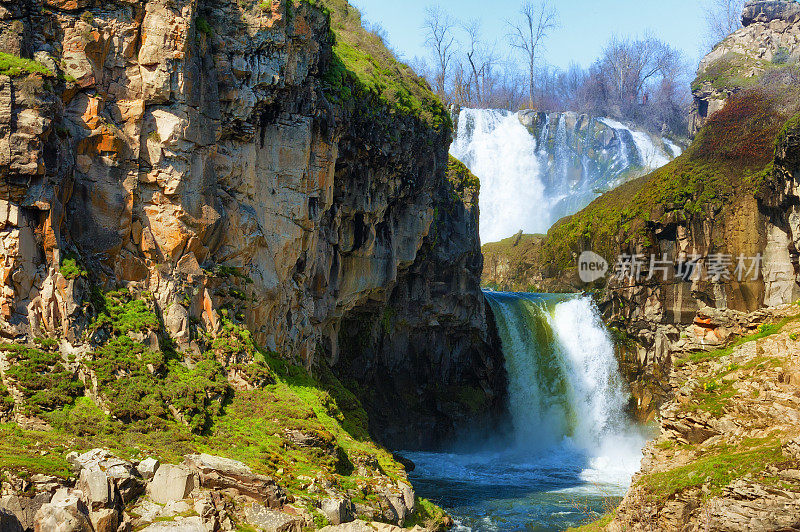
{"points": [[225, 159]]}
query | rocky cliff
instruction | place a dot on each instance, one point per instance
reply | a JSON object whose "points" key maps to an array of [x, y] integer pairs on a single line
{"points": [[727, 454], [196, 196], [455, 382], [769, 38]]}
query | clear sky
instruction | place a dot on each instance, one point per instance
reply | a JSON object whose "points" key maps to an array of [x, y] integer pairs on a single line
{"points": [[586, 25]]}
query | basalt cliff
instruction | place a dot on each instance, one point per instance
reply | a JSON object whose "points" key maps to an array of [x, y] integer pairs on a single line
{"points": [[228, 228]]}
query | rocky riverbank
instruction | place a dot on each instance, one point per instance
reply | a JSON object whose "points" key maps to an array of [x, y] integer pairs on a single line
{"points": [[728, 456], [203, 493]]}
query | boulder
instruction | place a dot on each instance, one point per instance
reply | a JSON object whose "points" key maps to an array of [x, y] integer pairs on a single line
{"points": [[396, 505], [104, 520], [338, 510], [408, 495], [171, 483], [64, 513], [120, 475], [97, 488], [147, 468], [24, 508], [216, 472], [271, 520]]}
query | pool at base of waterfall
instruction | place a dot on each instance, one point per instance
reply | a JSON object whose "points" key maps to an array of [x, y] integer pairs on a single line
{"points": [[509, 490], [570, 450]]}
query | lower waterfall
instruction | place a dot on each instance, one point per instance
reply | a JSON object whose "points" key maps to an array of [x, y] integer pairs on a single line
{"points": [[570, 449]]}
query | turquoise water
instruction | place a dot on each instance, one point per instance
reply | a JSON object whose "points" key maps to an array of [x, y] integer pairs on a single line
{"points": [[570, 452]]}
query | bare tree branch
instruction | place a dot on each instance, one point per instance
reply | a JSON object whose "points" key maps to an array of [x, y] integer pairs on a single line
{"points": [[723, 17], [439, 26], [538, 19]]}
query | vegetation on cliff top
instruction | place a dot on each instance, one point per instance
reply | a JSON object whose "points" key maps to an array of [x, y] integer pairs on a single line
{"points": [[363, 65], [460, 176]]}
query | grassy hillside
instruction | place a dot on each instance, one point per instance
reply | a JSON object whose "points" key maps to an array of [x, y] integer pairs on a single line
{"points": [[363, 65], [281, 420]]}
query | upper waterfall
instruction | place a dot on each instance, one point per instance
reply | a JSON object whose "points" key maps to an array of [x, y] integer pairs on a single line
{"points": [[538, 167]]}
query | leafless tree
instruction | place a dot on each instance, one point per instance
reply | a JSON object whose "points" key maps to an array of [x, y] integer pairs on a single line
{"points": [[439, 27], [723, 17], [632, 64], [537, 20], [481, 61]]}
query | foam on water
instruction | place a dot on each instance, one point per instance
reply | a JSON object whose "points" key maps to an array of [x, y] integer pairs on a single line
{"points": [[571, 446]]}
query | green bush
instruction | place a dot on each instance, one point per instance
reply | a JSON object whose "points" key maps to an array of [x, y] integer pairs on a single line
{"points": [[14, 66], [45, 383], [124, 312], [70, 268]]}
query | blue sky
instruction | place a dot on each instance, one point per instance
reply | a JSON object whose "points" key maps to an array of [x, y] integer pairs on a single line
{"points": [[586, 25]]}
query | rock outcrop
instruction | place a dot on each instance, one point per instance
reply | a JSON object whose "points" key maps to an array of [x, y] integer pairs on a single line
{"points": [[770, 36], [726, 458], [447, 383], [223, 159], [181, 497]]}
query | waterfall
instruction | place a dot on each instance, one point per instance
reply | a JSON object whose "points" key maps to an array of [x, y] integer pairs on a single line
{"points": [[536, 167], [502, 153], [563, 380], [570, 445]]}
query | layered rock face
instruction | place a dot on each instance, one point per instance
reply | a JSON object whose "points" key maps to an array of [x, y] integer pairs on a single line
{"points": [[397, 351], [192, 150], [771, 34], [727, 455]]}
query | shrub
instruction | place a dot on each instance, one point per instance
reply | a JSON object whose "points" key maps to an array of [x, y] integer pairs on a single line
{"points": [[14, 66], [45, 383], [124, 313], [781, 57], [70, 268]]}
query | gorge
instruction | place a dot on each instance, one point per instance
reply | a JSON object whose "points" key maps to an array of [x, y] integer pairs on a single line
{"points": [[241, 252]]}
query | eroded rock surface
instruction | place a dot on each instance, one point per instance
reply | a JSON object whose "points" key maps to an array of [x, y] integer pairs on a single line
{"points": [[199, 152], [726, 458]]}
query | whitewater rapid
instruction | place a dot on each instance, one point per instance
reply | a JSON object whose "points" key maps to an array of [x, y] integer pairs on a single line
{"points": [[526, 186], [570, 446]]}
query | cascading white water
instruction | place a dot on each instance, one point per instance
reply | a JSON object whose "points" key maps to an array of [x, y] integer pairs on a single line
{"points": [[650, 155], [563, 376], [501, 152], [570, 438], [528, 186]]}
